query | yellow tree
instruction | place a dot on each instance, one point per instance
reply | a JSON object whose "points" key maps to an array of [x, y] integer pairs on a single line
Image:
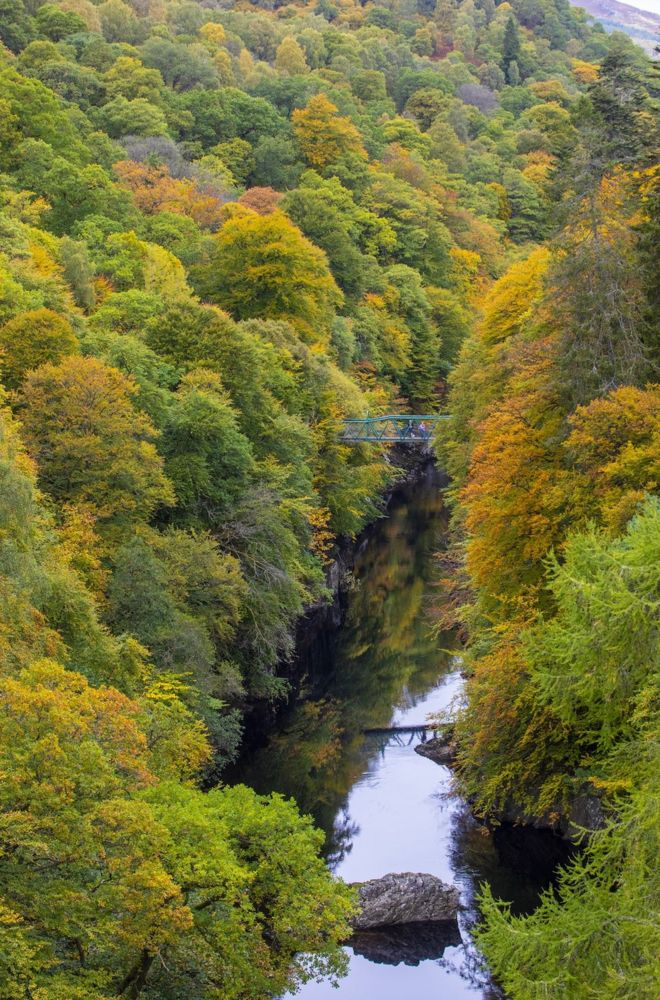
{"points": [[518, 498], [262, 266], [615, 444], [324, 136], [91, 445], [290, 58], [31, 339]]}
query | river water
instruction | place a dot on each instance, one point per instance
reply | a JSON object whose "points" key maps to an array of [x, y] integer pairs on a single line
{"points": [[383, 807]]}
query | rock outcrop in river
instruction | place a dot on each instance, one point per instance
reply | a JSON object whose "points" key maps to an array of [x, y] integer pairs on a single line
{"points": [[441, 749], [404, 898]]}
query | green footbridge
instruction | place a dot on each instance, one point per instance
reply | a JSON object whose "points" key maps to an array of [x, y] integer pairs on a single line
{"points": [[392, 429]]}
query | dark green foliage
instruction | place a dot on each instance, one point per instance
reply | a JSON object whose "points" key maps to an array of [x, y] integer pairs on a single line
{"points": [[511, 47], [17, 28]]}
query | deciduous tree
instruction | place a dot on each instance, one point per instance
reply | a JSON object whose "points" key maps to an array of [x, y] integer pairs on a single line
{"points": [[91, 445]]}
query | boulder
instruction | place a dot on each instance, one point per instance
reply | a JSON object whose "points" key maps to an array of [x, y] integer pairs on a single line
{"points": [[441, 749], [404, 898]]}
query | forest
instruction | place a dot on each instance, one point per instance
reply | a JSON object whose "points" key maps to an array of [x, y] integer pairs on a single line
{"points": [[225, 227]]}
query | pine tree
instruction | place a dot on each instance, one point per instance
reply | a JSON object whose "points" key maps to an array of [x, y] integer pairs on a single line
{"points": [[511, 46]]}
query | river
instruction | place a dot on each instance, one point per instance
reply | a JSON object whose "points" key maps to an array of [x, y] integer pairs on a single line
{"points": [[383, 807]]}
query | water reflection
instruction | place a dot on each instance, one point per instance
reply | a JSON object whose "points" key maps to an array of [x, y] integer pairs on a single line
{"points": [[383, 807], [409, 944], [385, 659]]}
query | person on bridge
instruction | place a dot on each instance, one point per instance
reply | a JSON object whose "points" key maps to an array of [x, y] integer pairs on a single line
{"points": [[423, 432]]}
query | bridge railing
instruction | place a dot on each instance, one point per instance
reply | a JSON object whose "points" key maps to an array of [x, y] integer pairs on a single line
{"points": [[391, 429]]}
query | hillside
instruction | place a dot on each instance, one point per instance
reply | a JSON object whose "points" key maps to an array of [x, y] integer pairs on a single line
{"points": [[643, 26], [225, 228]]}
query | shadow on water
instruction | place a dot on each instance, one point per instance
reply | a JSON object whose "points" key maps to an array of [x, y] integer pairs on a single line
{"points": [[382, 807]]}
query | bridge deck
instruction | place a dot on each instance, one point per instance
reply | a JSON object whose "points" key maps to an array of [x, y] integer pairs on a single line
{"points": [[386, 730], [394, 428]]}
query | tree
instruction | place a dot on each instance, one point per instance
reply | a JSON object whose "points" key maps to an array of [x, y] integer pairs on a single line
{"points": [[155, 190], [581, 660], [262, 200], [517, 495], [179, 234], [587, 938], [31, 339], [237, 156], [207, 457], [127, 77], [182, 67], [107, 868], [276, 163], [510, 303], [46, 608], [290, 58], [614, 442], [599, 298], [510, 45], [136, 117], [182, 598], [328, 215], [39, 115], [261, 265], [56, 23], [528, 219], [16, 26], [74, 752], [412, 305], [118, 22], [91, 445], [323, 135], [626, 131], [426, 105], [72, 193]]}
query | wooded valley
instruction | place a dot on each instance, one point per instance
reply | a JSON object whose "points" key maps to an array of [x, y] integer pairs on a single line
{"points": [[225, 228]]}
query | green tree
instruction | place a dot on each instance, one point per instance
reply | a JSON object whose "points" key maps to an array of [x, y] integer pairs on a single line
{"points": [[326, 213], [129, 78], [207, 457], [411, 303], [73, 193], [510, 45], [581, 660], [121, 116], [16, 26], [56, 23], [78, 272], [118, 22]]}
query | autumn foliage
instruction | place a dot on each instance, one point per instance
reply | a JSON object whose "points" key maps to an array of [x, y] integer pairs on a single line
{"points": [[223, 232]]}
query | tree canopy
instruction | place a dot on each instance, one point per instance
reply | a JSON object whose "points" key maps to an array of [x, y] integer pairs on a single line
{"points": [[223, 232]]}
